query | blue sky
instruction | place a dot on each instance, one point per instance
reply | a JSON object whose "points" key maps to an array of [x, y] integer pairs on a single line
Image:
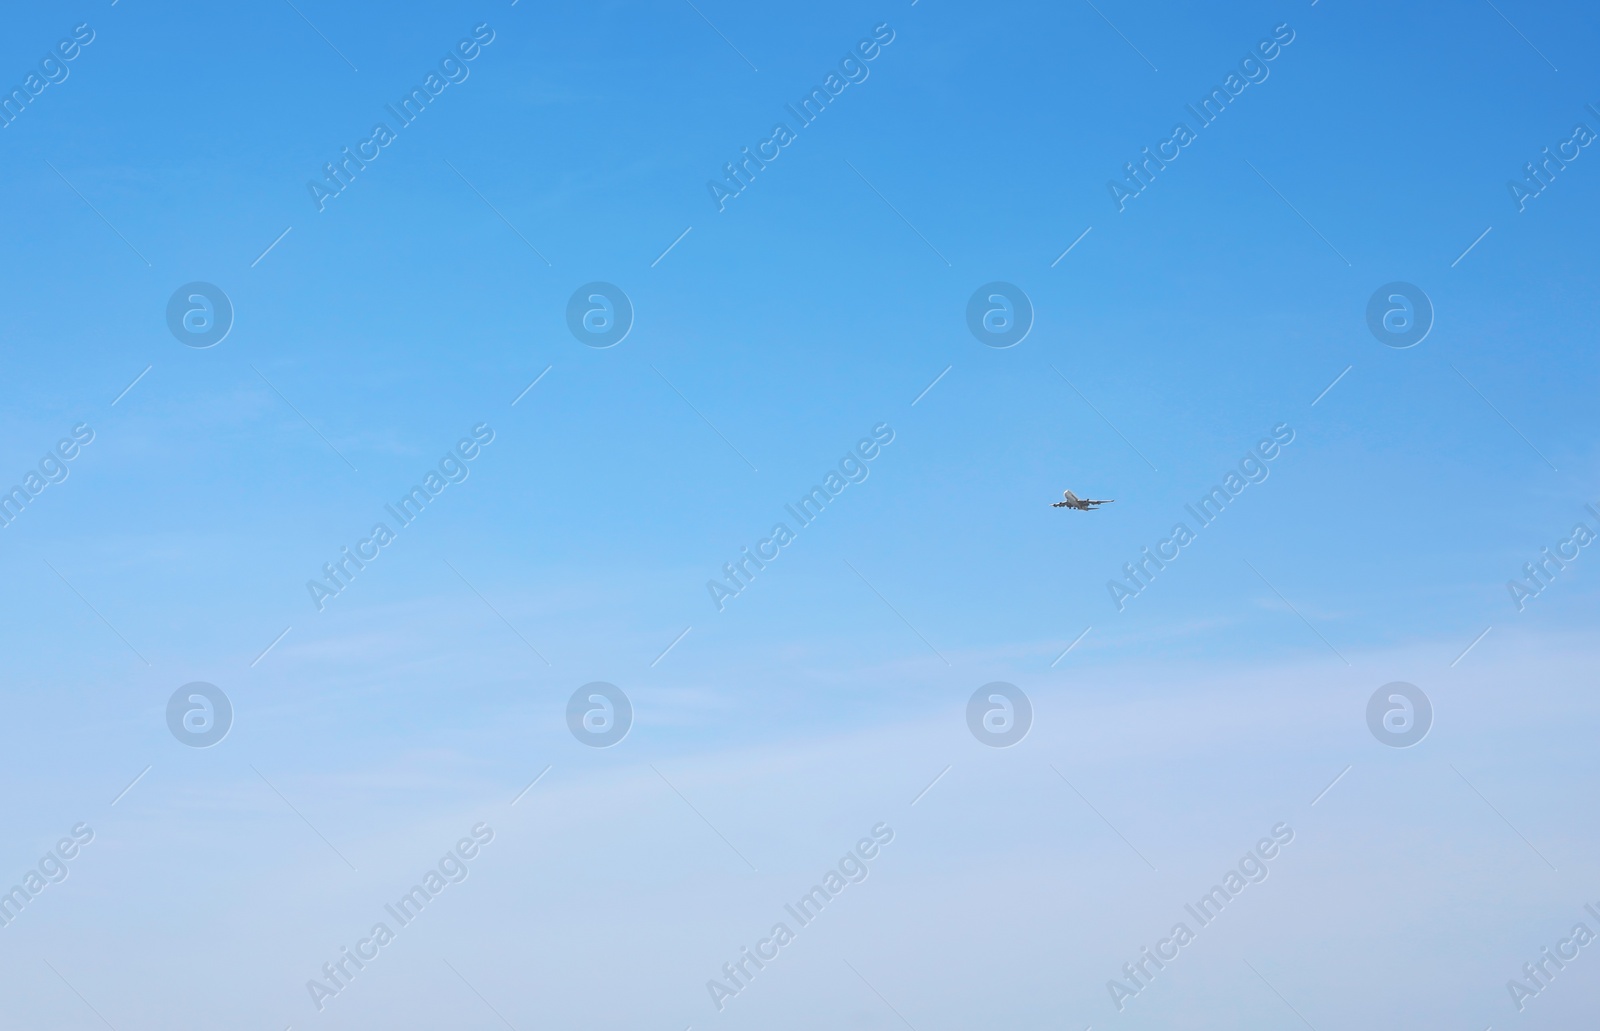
{"points": [[768, 338]]}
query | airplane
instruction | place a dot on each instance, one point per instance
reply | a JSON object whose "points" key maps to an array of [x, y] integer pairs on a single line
{"points": [[1081, 504]]}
